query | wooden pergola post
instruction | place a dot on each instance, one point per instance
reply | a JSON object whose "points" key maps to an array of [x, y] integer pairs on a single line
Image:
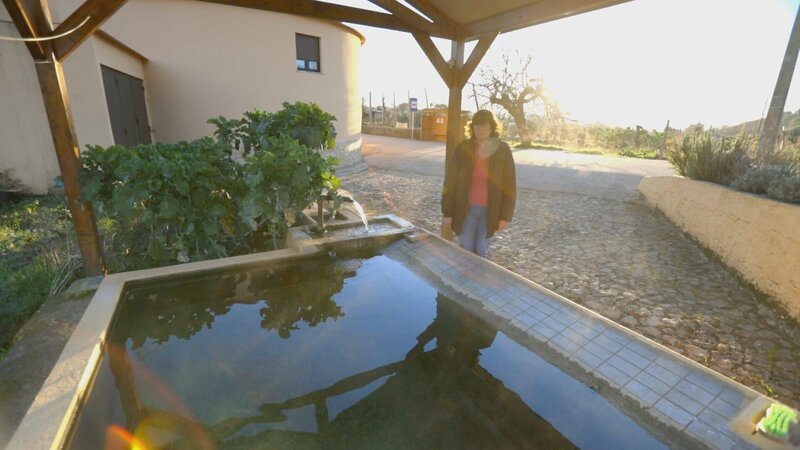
{"points": [[32, 19], [456, 89], [56, 102]]}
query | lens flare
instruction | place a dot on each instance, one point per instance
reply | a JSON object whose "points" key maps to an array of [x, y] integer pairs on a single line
{"points": [[118, 438]]}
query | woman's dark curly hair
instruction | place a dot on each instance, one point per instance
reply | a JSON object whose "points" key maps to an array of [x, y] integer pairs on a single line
{"points": [[481, 117]]}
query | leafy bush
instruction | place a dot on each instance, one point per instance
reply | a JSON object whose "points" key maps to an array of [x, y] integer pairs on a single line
{"points": [[701, 156], [191, 201], [305, 122], [281, 181], [172, 202], [786, 188], [779, 182]]}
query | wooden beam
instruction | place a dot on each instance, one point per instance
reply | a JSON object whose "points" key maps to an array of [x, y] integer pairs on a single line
{"points": [[454, 131], [98, 11], [533, 14], [434, 13], [441, 66], [322, 10], [29, 17], [475, 57], [415, 20], [56, 103]]}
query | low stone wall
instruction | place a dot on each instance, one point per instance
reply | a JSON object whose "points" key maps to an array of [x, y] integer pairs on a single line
{"points": [[403, 133], [757, 236]]}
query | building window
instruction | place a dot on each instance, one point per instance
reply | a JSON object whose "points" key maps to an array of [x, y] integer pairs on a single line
{"points": [[307, 52]]}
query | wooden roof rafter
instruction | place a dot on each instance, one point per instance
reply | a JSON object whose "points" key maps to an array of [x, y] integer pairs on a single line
{"points": [[435, 14], [30, 18], [335, 12], [406, 14], [97, 12]]}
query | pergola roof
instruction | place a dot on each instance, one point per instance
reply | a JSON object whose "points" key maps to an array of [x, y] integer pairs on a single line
{"points": [[452, 19]]}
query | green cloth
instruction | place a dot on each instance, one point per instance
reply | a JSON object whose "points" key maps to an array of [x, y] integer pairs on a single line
{"points": [[777, 421]]}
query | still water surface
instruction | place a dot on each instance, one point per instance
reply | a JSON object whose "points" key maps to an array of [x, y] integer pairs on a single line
{"points": [[349, 353]]}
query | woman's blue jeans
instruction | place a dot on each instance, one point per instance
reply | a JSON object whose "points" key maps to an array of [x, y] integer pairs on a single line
{"points": [[473, 231]]}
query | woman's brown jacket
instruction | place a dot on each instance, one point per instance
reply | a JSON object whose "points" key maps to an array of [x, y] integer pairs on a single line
{"points": [[458, 179]]}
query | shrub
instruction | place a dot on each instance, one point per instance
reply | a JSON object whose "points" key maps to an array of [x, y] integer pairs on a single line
{"points": [[171, 202], [281, 181], [758, 179], [779, 182], [701, 156], [182, 202], [786, 188], [305, 122]]}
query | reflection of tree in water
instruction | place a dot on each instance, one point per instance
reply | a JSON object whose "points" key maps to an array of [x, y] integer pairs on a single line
{"points": [[294, 296], [300, 291]]}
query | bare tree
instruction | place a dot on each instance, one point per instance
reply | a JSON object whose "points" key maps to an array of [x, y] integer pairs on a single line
{"points": [[510, 87]]}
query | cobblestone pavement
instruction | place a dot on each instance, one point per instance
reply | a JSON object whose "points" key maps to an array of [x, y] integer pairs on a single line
{"points": [[628, 262]]}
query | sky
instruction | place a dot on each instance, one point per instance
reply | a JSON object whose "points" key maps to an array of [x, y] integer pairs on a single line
{"points": [[638, 63]]}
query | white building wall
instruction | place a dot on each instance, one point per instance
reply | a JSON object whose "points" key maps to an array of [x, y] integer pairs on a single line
{"points": [[26, 146]]}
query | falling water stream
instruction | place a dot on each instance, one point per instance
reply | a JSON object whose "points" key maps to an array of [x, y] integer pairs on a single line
{"points": [[361, 214]]}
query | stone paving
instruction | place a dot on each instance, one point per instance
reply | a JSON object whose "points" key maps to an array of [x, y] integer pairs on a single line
{"points": [[628, 262]]}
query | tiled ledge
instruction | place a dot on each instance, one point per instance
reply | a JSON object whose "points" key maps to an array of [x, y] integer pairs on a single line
{"points": [[671, 388]]}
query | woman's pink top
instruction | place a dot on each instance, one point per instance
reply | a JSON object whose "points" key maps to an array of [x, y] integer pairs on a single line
{"points": [[479, 191]]}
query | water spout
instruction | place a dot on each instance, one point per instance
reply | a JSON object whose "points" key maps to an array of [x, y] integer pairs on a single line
{"points": [[345, 197]]}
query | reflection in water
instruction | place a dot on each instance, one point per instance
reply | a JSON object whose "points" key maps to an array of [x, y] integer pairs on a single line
{"points": [[427, 388], [292, 294]]}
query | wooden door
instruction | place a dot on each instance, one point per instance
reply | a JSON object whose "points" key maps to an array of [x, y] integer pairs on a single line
{"points": [[126, 107]]}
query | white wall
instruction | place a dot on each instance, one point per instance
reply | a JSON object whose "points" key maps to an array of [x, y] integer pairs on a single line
{"points": [[26, 146]]}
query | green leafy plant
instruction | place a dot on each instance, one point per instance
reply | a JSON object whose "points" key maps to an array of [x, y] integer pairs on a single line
{"points": [[281, 180], [702, 156], [167, 203], [172, 202], [305, 122]]}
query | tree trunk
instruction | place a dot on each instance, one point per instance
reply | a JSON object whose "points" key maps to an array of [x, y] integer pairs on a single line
{"points": [[518, 114]]}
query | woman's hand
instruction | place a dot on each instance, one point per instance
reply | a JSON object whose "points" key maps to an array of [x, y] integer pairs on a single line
{"points": [[502, 225]]}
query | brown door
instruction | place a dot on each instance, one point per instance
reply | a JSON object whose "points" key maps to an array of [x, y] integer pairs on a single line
{"points": [[126, 107]]}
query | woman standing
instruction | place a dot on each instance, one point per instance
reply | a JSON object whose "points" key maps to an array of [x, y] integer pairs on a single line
{"points": [[480, 185]]}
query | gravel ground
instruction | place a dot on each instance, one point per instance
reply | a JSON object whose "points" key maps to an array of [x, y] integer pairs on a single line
{"points": [[628, 262]]}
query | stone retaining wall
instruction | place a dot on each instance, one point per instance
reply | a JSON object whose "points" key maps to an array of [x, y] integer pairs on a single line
{"points": [[757, 236], [403, 133]]}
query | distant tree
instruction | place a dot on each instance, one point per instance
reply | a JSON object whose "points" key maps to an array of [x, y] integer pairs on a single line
{"points": [[510, 87]]}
